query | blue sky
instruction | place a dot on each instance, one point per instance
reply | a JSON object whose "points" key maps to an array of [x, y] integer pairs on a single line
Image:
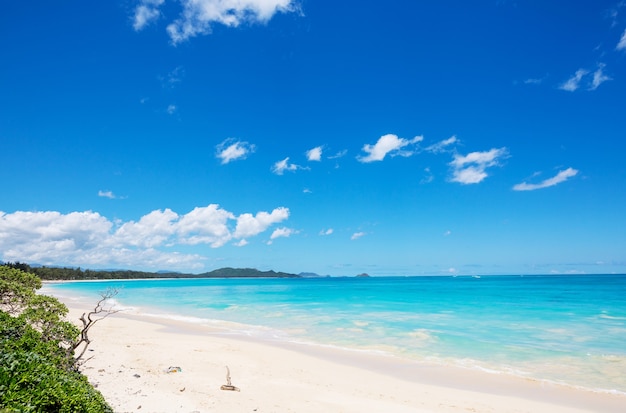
{"points": [[393, 138]]}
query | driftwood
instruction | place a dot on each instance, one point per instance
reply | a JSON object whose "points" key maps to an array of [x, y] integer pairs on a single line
{"points": [[229, 385], [102, 310]]}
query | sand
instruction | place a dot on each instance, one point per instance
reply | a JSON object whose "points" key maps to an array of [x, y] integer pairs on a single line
{"points": [[130, 355]]}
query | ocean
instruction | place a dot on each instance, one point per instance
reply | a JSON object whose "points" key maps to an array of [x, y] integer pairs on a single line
{"points": [[560, 329]]}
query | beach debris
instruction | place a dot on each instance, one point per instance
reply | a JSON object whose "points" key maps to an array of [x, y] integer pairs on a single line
{"points": [[174, 369], [229, 385], [136, 375]]}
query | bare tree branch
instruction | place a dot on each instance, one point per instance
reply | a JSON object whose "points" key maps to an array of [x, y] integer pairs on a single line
{"points": [[102, 310]]}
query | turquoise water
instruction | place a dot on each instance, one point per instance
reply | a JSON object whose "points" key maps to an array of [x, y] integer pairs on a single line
{"points": [[565, 329]]}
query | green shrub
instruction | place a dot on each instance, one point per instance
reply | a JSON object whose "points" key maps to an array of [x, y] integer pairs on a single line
{"points": [[37, 366]]}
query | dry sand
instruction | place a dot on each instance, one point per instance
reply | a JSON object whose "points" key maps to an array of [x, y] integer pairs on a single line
{"points": [[130, 356]]}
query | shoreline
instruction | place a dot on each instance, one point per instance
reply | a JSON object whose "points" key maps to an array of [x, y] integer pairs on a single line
{"points": [[131, 353]]}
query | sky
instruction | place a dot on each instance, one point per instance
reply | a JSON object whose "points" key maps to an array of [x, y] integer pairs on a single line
{"points": [[390, 138]]}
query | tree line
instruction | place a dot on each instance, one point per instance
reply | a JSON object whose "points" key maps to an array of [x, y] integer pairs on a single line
{"points": [[77, 274]]}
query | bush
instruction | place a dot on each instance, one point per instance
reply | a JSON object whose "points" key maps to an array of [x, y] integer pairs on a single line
{"points": [[37, 365]]}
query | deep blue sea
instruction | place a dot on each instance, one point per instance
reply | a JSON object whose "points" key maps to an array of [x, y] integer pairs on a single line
{"points": [[565, 329]]}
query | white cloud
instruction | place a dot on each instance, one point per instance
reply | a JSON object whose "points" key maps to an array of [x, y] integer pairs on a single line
{"points": [[428, 176], [232, 149], [205, 225], [107, 194], [150, 231], [442, 146], [171, 109], [89, 239], [357, 235], [173, 78], [562, 176], [598, 77], [146, 12], [314, 154], [339, 154], [573, 83], [447, 233], [576, 81], [388, 144], [198, 15], [241, 243], [622, 42], [282, 232], [471, 168], [533, 81], [328, 231], [249, 225], [281, 166]]}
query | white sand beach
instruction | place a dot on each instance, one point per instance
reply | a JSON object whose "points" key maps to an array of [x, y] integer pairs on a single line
{"points": [[130, 356]]}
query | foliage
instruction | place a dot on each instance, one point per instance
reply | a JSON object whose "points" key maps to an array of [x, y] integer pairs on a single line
{"points": [[37, 367], [55, 273], [17, 288]]}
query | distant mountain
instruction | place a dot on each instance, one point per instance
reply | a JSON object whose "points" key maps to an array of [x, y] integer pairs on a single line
{"points": [[245, 273], [58, 273], [312, 275]]}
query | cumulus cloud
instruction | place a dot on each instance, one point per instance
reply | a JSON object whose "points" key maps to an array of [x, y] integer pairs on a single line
{"points": [[328, 231], [249, 225], [314, 154], [146, 12], [205, 225], [622, 42], [282, 232], [443, 145], [232, 150], [171, 109], [150, 231], [88, 238], [389, 144], [357, 235], [471, 168], [198, 16], [562, 176], [106, 194], [281, 166]]}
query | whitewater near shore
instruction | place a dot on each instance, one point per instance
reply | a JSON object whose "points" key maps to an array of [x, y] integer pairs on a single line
{"points": [[147, 364]]}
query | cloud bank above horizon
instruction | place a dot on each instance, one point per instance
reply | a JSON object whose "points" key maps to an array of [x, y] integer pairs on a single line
{"points": [[88, 238]]}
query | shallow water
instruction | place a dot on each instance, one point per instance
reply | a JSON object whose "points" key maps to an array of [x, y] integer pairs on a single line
{"points": [[566, 329]]}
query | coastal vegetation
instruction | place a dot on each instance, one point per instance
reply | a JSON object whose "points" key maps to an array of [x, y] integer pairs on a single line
{"points": [[76, 274], [38, 366]]}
